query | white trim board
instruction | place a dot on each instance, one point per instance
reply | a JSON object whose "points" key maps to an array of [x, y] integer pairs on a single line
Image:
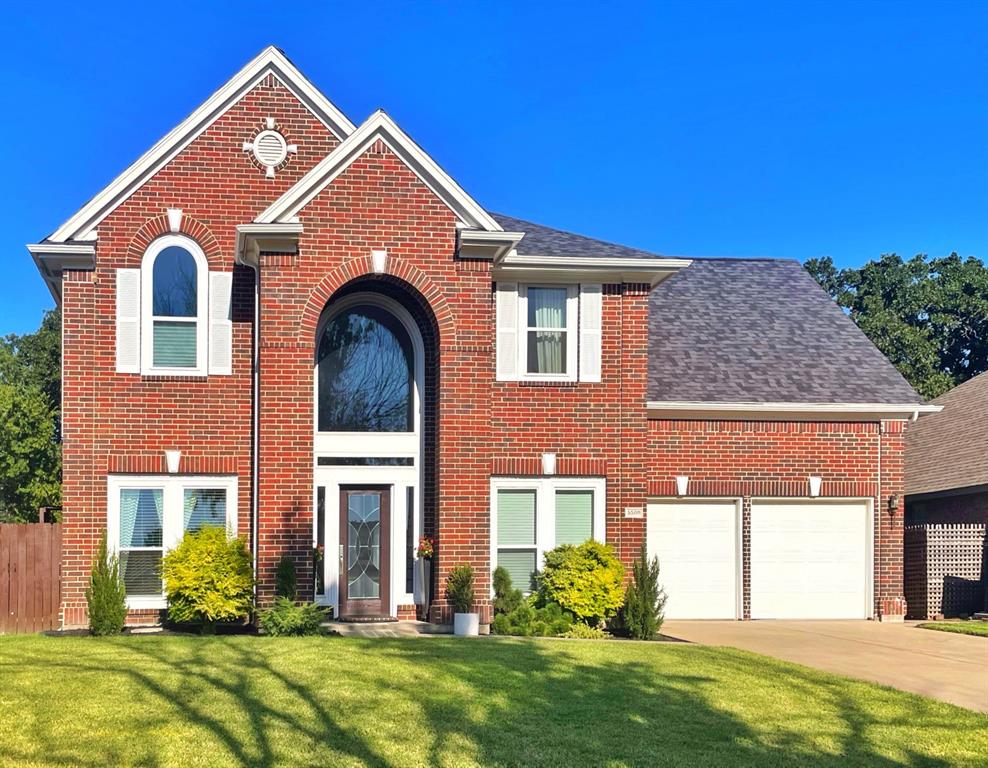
{"points": [[270, 61], [785, 411], [379, 126]]}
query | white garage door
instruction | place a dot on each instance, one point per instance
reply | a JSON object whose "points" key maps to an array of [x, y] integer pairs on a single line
{"points": [[809, 560], [697, 547]]}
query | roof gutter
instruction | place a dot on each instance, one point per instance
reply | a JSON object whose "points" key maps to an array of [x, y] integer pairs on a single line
{"points": [[603, 269], [786, 411], [52, 259]]}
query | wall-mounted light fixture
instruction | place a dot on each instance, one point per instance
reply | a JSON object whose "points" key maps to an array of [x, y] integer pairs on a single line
{"points": [[548, 463], [815, 483], [682, 485], [893, 503], [172, 461]]}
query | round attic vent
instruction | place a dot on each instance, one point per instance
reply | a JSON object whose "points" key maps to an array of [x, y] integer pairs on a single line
{"points": [[270, 148]]}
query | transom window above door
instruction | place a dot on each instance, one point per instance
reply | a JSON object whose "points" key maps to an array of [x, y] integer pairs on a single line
{"points": [[366, 372]]}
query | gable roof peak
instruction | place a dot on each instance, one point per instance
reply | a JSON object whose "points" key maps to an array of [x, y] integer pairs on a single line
{"points": [[379, 125], [270, 61]]}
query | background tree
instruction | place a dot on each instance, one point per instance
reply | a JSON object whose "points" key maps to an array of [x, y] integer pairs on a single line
{"points": [[30, 424], [928, 316]]}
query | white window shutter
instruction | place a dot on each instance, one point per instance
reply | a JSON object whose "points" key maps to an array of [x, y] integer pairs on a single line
{"points": [[220, 323], [507, 331], [128, 321], [590, 331]]}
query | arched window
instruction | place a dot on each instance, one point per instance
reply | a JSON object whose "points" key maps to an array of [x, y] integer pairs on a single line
{"points": [[174, 278], [365, 372]]}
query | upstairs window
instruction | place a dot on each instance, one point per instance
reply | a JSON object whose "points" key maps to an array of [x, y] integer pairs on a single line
{"points": [[549, 333], [174, 280], [547, 337], [366, 372]]}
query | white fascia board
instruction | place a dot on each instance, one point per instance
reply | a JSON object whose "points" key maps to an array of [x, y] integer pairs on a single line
{"points": [[269, 61], [572, 268], [52, 259], [254, 238], [481, 244], [681, 409], [379, 126]]}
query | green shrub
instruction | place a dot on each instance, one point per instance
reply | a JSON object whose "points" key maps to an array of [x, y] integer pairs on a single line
{"points": [[208, 578], [585, 632], [644, 601], [586, 580], [105, 596], [459, 588], [284, 618], [506, 599], [285, 581], [528, 621]]}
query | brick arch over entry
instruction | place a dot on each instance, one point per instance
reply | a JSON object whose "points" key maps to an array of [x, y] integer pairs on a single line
{"points": [[424, 316], [398, 270], [154, 228]]}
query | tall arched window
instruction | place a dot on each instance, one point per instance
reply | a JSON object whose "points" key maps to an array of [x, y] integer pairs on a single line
{"points": [[365, 372], [174, 284]]}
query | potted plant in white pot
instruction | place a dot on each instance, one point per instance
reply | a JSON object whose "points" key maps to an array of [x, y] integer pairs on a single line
{"points": [[459, 592], [425, 552]]}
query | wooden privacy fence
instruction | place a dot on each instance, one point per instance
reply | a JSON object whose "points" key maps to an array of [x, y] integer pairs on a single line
{"points": [[30, 579]]}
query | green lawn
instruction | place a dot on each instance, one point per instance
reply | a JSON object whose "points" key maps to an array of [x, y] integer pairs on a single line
{"points": [[978, 628], [189, 701]]}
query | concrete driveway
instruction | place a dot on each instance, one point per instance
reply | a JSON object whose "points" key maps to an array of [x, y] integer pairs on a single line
{"points": [[942, 665]]}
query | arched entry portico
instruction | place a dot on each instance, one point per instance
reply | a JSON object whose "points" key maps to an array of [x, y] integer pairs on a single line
{"points": [[375, 380]]}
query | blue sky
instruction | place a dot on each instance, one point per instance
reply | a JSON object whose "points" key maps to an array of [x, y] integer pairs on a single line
{"points": [[728, 129]]}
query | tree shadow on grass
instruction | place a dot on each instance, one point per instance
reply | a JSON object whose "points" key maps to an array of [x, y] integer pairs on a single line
{"points": [[264, 702], [545, 707]]}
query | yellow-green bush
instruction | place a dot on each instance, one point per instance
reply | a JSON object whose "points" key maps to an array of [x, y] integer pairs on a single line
{"points": [[208, 578], [586, 580]]}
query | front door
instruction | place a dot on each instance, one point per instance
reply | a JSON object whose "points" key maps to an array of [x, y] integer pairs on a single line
{"points": [[365, 547]]}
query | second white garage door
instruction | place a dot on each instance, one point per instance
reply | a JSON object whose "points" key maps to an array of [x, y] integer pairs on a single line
{"points": [[810, 559], [697, 546]]}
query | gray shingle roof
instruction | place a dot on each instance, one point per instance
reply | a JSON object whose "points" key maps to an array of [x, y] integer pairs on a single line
{"points": [[545, 241], [946, 450], [742, 330], [747, 330]]}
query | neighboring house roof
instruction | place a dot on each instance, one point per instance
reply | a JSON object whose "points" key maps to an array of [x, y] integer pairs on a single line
{"points": [[946, 450], [761, 331], [545, 241]]}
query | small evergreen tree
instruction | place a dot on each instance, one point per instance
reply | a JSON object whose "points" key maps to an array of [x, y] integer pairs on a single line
{"points": [[459, 588], [506, 599], [285, 581], [105, 595], [644, 600]]}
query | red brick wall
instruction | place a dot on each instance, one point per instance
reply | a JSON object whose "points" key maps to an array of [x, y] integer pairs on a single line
{"points": [[123, 422], [768, 459], [478, 427]]}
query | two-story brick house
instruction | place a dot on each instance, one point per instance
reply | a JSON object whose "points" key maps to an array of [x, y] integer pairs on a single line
{"points": [[305, 330]]}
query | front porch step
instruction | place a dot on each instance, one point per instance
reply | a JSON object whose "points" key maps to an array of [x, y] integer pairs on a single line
{"points": [[387, 628]]}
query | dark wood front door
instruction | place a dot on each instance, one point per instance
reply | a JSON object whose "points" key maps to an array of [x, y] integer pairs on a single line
{"points": [[365, 549]]}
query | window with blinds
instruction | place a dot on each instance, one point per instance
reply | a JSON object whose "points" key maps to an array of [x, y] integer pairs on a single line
{"points": [[532, 516], [148, 515], [140, 545], [574, 517], [516, 537]]}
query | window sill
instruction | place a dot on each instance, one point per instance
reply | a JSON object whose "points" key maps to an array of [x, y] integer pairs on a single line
{"points": [[539, 382], [146, 603], [172, 376]]}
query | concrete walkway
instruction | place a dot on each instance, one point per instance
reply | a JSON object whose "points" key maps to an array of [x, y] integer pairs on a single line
{"points": [[941, 665]]}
